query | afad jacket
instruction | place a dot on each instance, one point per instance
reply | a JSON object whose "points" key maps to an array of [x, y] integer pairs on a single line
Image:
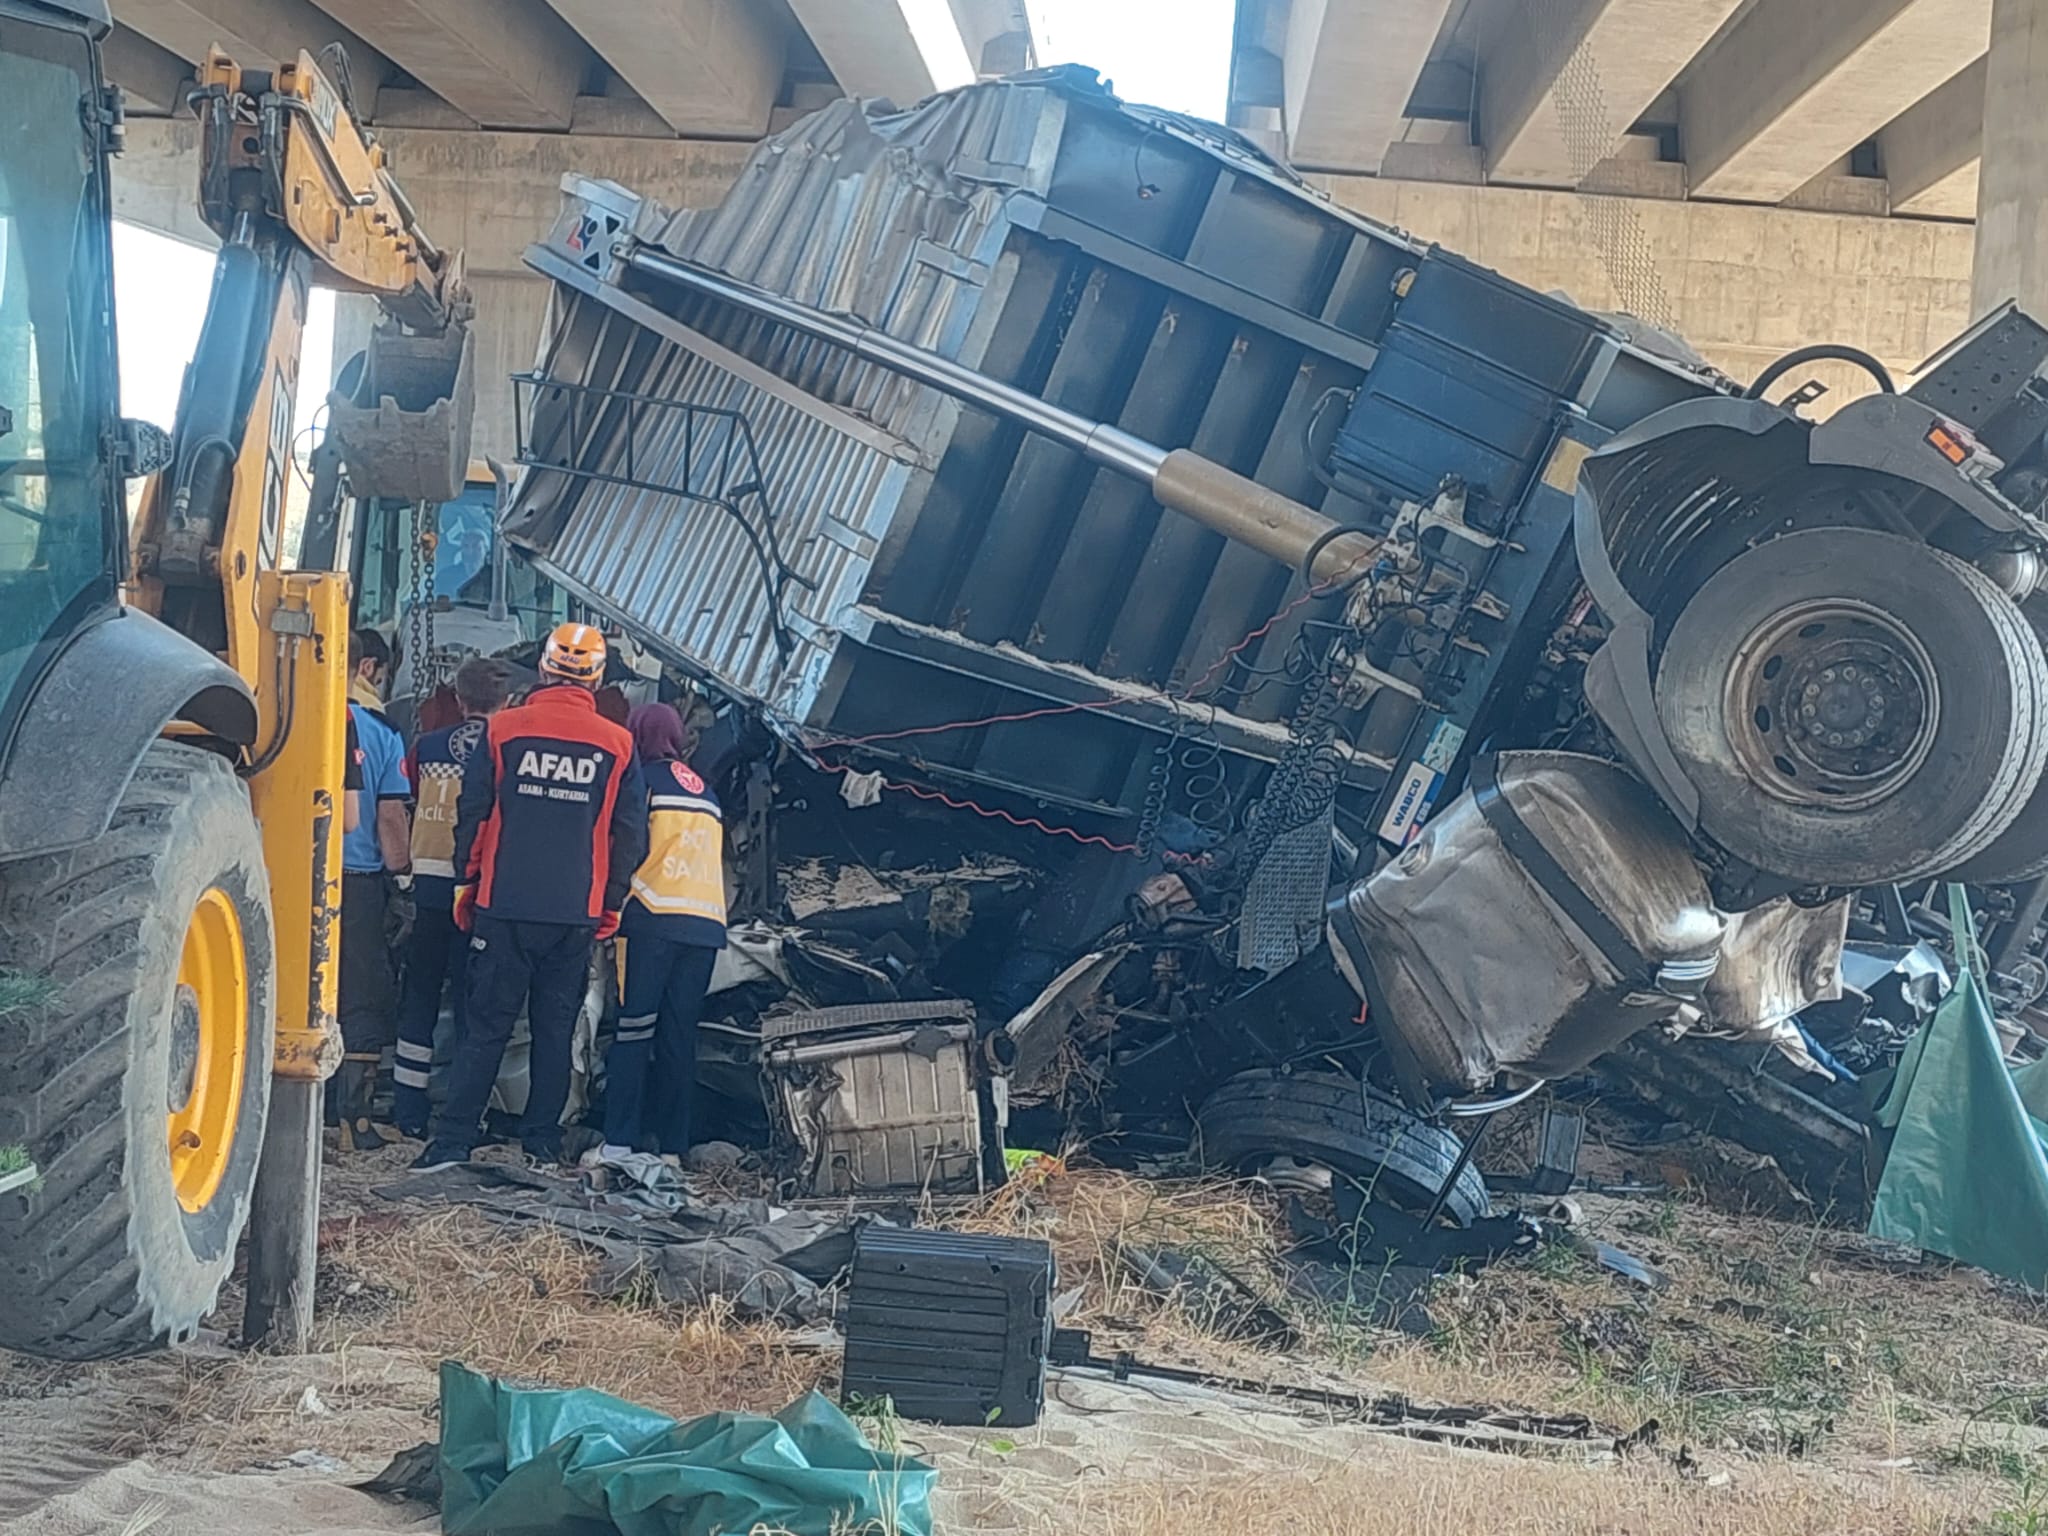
{"points": [[552, 819]]}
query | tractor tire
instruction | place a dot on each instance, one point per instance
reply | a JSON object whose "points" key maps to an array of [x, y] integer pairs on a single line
{"points": [[1854, 708], [1354, 1130], [141, 1090]]}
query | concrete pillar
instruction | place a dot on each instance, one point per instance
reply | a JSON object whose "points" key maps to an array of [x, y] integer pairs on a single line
{"points": [[2012, 182]]}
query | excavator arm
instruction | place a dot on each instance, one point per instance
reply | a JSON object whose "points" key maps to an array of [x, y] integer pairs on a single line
{"points": [[299, 194]]}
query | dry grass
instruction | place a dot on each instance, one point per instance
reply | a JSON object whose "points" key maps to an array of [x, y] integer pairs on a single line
{"points": [[1822, 1385], [1420, 1495], [1772, 1338], [520, 1305], [396, 1301], [1089, 1216]]}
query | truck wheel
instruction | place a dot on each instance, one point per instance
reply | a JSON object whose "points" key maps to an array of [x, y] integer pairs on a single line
{"points": [[1854, 707], [2018, 853], [1352, 1129], [141, 1091]]}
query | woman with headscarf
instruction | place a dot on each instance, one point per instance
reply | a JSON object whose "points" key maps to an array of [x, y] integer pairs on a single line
{"points": [[674, 927]]}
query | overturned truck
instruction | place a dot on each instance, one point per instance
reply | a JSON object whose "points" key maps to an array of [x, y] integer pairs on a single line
{"points": [[1379, 688]]}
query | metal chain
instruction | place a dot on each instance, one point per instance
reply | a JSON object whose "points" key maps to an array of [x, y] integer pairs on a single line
{"points": [[419, 641]]}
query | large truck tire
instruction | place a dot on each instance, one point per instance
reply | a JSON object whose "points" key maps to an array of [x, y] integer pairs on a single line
{"points": [[1351, 1128], [1854, 707], [141, 1090]]}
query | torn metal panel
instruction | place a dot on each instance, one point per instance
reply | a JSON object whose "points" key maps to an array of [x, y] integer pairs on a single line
{"points": [[1776, 960], [1533, 925]]}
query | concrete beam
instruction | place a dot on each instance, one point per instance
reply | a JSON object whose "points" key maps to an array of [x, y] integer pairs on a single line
{"points": [[902, 49], [709, 67], [492, 193], [154, 79], [2011, 257], [1796, 84], [1563, 84], [1348, 70], [1930, 150], [256, 34], [996, 34], [504, 63]]}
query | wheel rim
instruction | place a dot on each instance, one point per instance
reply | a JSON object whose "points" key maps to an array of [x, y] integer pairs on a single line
{"points": [[209, 1049], [1832, 704]]}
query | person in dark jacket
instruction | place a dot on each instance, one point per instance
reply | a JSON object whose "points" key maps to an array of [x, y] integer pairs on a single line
{"points": [[550, 825], [674, 927], [434, 957]]}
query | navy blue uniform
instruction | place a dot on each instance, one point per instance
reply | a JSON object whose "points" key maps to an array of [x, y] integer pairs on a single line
{"points": [[434, 956], [674, 927], [550, 825]]}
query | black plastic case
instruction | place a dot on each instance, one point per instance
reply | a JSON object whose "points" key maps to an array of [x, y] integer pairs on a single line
{"points": [[954, 1329]]}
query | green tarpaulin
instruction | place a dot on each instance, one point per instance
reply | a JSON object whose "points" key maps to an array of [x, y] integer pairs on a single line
{"points": [[536, 1461], [1966, 1176]]}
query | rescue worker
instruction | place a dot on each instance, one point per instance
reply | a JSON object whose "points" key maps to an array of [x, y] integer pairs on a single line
{"points": [[434, 958], [376, 882], [674, 927], [550, 825]]}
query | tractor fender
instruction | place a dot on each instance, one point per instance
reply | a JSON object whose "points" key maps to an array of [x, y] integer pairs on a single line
{"points": [[105, 698]]}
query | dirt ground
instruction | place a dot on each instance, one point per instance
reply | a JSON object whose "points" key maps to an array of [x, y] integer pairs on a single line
{"points": [[1802, 1379]]}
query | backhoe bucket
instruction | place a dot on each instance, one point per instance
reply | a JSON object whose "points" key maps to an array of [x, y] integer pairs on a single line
{"points": [[405, 429]]}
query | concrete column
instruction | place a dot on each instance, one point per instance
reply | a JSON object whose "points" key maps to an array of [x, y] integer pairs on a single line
{"points": [[2012, 181], [510, 310]]}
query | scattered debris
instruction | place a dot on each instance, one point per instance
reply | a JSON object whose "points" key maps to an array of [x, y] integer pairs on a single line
{"points": [[1215, 1300], [765, 1261], [413, 1475]]}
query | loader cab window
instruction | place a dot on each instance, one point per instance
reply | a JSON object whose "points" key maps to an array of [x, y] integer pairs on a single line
{"points": [[56, 515]]}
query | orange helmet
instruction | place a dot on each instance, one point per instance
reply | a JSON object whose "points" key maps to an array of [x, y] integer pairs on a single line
{"points": [[575, 653]]}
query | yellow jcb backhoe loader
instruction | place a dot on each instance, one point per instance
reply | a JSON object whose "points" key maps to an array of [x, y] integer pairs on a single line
{"points": [[172, 696]]}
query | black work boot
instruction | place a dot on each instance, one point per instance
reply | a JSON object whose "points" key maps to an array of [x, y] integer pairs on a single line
{"points": [[355, 1088]]}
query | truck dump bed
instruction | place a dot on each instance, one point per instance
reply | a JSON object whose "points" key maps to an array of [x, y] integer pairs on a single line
{"points": [[865, 557]]}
